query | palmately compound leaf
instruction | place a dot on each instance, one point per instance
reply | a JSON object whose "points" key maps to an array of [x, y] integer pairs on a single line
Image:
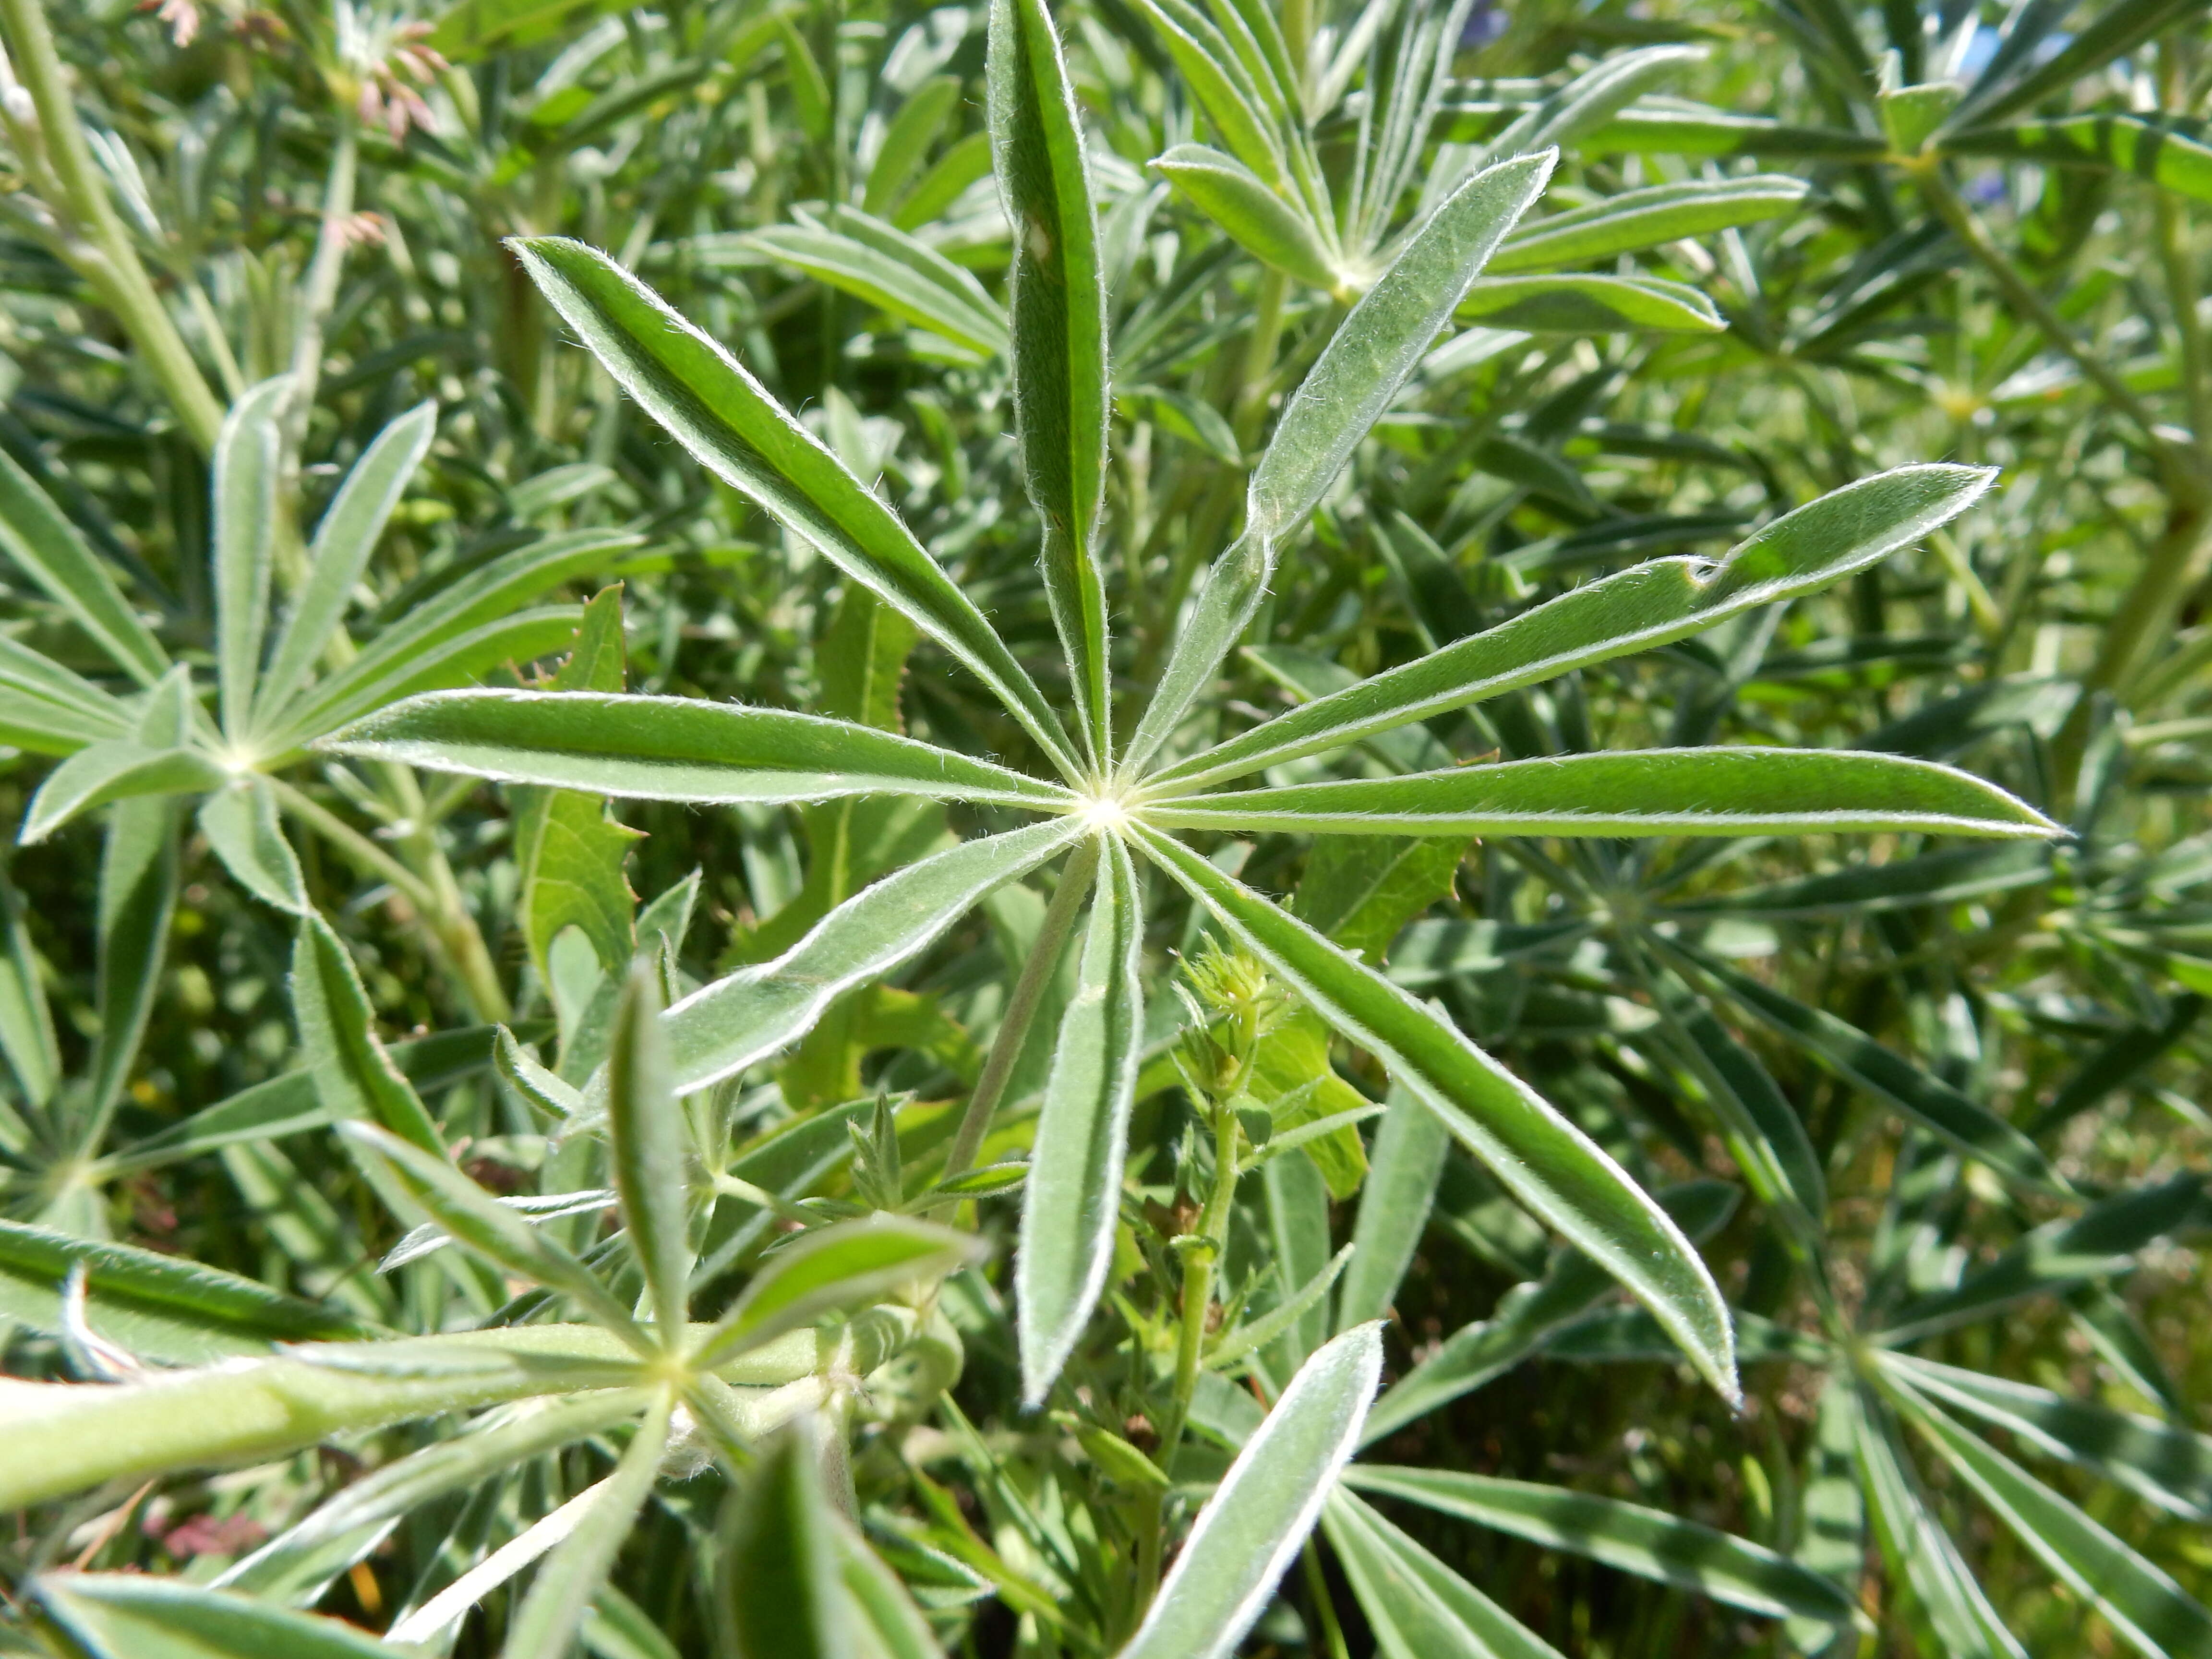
{"points": [[1261, 1513], [1057, 306], [1073, 1199], [1651, 605], [1654, 792], [684, 748], [686, 382], [1550, 1166]]}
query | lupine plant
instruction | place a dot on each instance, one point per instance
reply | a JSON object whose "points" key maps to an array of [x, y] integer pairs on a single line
{"points": [[1252, 1029]]}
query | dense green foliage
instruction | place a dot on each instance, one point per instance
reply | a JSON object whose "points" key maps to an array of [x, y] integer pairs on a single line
{"points": [[1160, 827]]}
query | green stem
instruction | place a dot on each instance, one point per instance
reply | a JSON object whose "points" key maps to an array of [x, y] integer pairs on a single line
{"points": [[438, 903], [1021, 1008], [1317, 1589], [2028, 303], [107, 257]]}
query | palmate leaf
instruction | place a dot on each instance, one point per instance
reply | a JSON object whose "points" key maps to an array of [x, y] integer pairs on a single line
{"points": [[1552, 1167], [1676, 792], [1072, 1202], [729, 423], [1057, 312], [679, 749], [1651, 605], [1263, 1509]]}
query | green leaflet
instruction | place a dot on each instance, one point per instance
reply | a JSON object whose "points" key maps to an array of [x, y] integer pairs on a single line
{"points": [[1404, 1167], [48, 549], [1714, 791], [1418, 1608], [672, 749], [562, 1592], [1592, 97], [786, 1585], [1589, 305], [353, 1076], [1530, 1315], [242, 826], [1261, 1513], [1645, 218], [65, 1438], [1553, 1169], [1673, 126], [1360, 370], [650, 1144], [159, 1307], [296, 1567], [2168, 151], [1379, 344], [1239, 201], [2143, 1604], [1073, 1200], [345, 539], [692, 387], [1651, 605], [2102, 1240], [138, 896], [906, 144], [498, 1233], [247, 454], [118, 1615], [1057, 313], [832, 1268], [1648, 1542], [433, 644], [2169, 1466], [894, 272], [119, 770], [1916, 1548], [724, 1027]]}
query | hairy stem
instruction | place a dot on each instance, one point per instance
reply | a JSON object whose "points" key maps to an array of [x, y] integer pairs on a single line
{"points": [[1021, 1008], [105, 257]]}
